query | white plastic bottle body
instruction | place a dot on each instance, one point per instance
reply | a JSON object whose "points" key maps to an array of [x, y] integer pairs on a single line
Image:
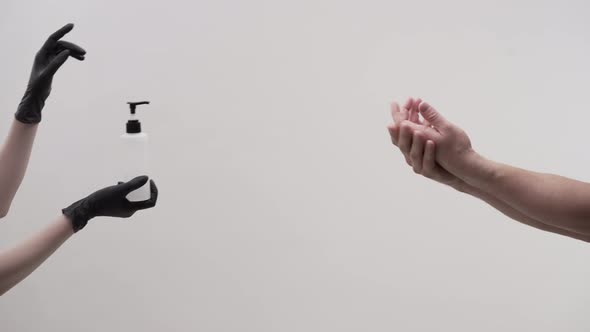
{"points": [[134, 162]]}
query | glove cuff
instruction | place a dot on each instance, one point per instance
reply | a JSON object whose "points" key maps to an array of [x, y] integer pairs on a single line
{"points": [[29, 110], [79, 214]]}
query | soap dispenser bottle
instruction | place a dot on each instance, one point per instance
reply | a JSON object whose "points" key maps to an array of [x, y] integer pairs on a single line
{"points": [[134, 154]]}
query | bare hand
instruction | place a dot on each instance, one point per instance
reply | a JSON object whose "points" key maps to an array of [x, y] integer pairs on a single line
{"points": [[453, 147], [418, 151]]}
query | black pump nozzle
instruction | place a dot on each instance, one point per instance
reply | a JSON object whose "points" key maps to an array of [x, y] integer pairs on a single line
{"points": [[132, 105], [133, 125]]}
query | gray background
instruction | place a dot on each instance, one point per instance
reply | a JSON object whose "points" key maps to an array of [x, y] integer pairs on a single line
{"points": [[283, 205]]}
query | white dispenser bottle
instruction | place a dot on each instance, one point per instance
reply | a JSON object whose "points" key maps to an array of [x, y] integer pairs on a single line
{"points": [[134, 154]]}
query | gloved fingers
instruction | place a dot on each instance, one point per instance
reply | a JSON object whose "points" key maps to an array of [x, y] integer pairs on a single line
{"points": [[133, 184], [154, 191], [71, 46], [54, 37], [78, 56], [150, 203], [56, 63], [75, 50], [143, 204]]}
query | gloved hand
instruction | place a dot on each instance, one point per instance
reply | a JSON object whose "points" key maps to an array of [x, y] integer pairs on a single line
{"points": [[50, 57], [110, 202]]}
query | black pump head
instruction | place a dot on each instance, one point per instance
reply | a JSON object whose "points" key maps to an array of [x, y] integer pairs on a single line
{"points": [[132, 105], [134, 126]]}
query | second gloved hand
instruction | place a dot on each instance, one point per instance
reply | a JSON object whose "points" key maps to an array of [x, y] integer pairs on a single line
{"points": [[50, 57], [110, 202]]}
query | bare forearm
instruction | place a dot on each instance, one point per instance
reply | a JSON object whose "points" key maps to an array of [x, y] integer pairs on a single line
{"points": [[19, 262], [514, 214], [550, 199], [14, 159]]}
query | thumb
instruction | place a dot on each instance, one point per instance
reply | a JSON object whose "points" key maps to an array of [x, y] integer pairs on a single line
{"points": [[433, 116], [133, 184]]}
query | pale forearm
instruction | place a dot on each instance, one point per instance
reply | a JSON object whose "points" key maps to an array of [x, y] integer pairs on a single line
{"points": [[20, 261], [17, 263], [550, 199], [514, 214], [14, 159]]}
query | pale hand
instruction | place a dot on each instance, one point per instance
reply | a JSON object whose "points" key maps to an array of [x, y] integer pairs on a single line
{"points": [[418, 150]]}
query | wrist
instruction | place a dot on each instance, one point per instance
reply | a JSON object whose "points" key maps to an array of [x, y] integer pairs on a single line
{"points": [[79, 213], [466, 188], [460, 186], [29, 109], [477, 171]]}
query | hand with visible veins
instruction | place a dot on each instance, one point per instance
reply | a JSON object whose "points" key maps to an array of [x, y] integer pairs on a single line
{"points": [[441, 151]]}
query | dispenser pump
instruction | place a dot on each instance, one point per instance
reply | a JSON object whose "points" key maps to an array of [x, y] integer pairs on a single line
{"points": [[133, 125]]}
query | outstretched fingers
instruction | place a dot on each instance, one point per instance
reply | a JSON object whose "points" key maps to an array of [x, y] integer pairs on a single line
{"points": [[51, 42]]}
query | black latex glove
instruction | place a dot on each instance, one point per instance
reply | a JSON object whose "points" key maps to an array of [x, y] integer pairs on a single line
{"points": [[50, 57], [110, 202]]}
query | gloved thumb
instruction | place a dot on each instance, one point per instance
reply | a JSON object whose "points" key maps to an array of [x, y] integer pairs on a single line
{"points": [[433, 116], [134, 183]]}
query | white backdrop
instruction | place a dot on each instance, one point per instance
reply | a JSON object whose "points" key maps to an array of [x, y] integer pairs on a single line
{"points": [[283, 205]]}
